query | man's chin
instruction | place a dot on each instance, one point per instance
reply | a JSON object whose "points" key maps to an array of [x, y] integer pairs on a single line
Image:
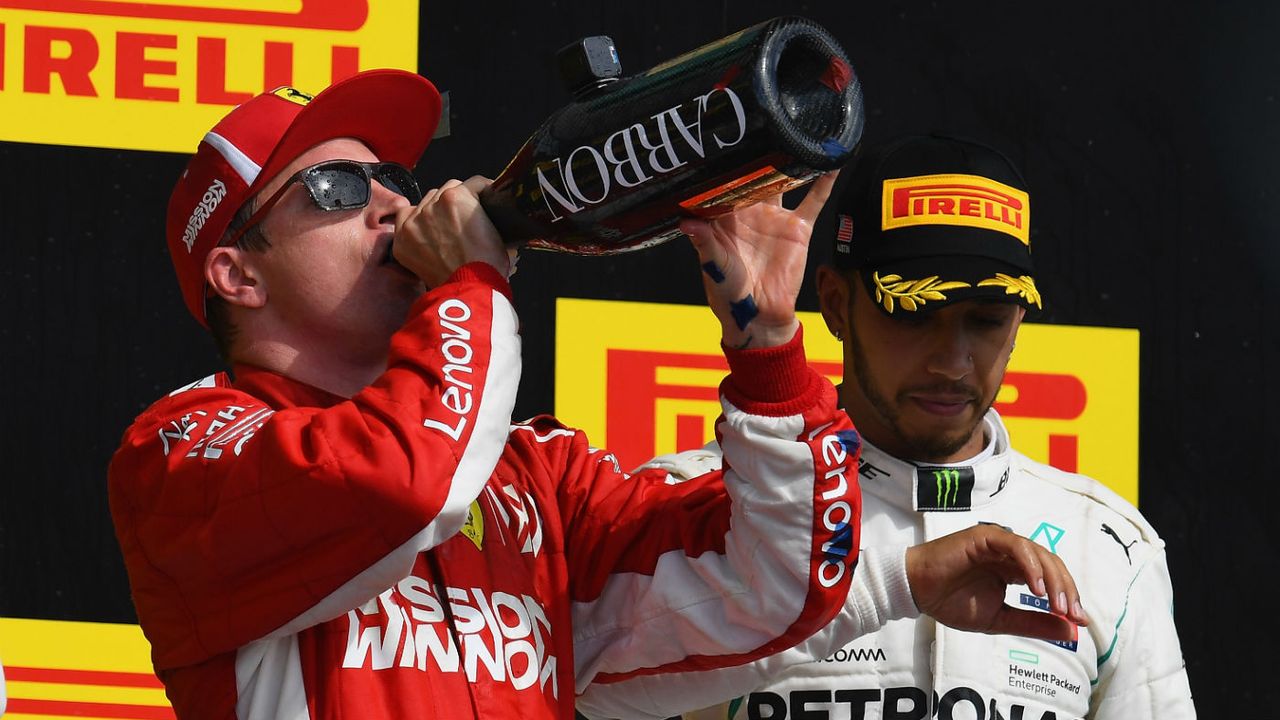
{"points": [[940, 451], [940, 441]]}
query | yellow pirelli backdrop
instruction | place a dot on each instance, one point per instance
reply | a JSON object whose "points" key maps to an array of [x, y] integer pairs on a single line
{"points": [[155, 75], [641, 380], [56, 670]]}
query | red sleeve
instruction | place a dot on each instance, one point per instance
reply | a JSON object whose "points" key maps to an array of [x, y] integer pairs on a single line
{"points": [[237, 521]]}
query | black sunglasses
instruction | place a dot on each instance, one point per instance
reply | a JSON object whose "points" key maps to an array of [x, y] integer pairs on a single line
{"points": [[340, 185]]}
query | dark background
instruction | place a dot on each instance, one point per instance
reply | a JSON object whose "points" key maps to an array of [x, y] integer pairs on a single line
{"points": [[1149, 133]]}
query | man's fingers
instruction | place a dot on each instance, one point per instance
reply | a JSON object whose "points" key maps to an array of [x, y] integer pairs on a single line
{"points": [[1055, 582], [1029, 623], [1023, 552], [476, 183], [1045, 574], [711, 255], [1062, 590], [696, 229], [819, 191], [403, 214]]}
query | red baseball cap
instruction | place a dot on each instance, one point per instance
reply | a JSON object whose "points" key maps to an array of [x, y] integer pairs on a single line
{"points": [[394, 112]]}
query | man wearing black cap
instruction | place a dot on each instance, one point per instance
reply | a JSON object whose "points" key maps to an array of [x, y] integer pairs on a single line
{"points": [[349, 525], [931, 275]]}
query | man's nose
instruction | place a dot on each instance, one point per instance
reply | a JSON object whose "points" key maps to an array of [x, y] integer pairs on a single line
{"points": [[383, 204], [951, 354]]}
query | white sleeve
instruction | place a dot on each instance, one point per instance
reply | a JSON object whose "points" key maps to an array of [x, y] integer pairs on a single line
{"points": [[879, 593], [729, 567], [1148, 677]]}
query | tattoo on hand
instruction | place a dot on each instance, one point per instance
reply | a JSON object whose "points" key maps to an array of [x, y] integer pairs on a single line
{"points": [[743, 345], [713, 272], [744, 311]]}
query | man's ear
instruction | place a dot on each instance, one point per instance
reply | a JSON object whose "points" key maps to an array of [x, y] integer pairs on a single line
{"points": [[833, 300], [232, 275]]}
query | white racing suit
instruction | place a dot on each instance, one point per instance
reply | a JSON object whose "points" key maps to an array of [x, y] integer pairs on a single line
{"points": [[1126, 665]]}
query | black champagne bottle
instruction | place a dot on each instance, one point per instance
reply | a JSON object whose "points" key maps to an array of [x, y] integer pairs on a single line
{"points": [[753, 114]]}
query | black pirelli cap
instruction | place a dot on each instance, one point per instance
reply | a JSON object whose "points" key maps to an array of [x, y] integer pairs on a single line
{"points": [[929, 220]]}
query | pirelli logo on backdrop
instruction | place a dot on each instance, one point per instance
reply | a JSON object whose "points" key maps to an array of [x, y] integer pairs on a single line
{"points": [[157, 75], [642, 379], [965, 200]]}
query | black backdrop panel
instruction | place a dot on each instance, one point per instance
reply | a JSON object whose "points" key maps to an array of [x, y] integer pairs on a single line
{"points": [[1149, 133]]}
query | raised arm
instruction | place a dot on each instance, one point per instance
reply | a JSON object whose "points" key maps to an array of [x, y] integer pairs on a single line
{"points": [[740, 564]]}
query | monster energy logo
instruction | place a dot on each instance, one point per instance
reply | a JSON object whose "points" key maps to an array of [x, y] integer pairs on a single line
{"points": [[944, 488], [948, 482]]}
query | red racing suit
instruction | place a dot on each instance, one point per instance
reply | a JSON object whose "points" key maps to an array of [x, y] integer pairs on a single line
{"points": [[409, 553]]}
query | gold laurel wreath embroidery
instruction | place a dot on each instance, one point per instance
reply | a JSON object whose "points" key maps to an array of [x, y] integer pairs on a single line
{"points": [[1024, 286], [911, 294]]}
